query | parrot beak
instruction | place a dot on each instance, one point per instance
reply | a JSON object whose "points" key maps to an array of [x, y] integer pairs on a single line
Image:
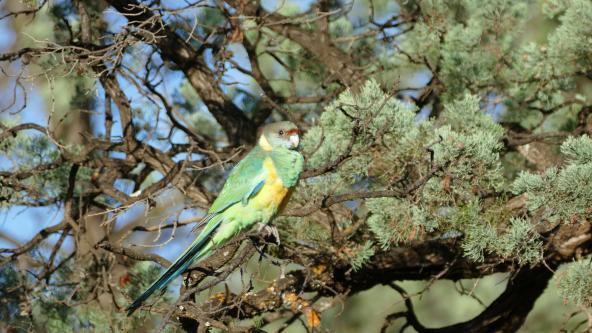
{"points": [[294, 140]]}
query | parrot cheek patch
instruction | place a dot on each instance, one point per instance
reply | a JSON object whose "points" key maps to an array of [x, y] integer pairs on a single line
{"points": [[294, 140]]}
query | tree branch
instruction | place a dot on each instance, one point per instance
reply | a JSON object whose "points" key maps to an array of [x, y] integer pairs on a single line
{"points": [[238, 127]]}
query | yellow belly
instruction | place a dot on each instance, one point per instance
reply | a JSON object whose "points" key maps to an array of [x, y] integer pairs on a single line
{"points": [[273, 191]]}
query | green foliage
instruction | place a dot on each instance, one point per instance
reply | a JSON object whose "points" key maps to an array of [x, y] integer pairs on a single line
{"points": [[395, 221], [578, 150], [25, 152], [144, 273], [200, 121], [361, 255], [520, 242], [564, 193], [575, 282], [479, 239], [486, 232], [389, 145], [572, 38], [12, 305], [51, 311], [385, 122]]}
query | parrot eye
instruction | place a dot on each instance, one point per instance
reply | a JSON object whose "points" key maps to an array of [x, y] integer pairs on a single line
{"points": [[281, 132]]}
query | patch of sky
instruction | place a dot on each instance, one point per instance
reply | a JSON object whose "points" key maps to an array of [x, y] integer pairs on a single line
{"points": [[20, 223], [170, 209], [234, 82], [51, 240], [152, 178], [421, 78], [117, 154], [30, 104], [415, 82], [185, 157], [389, 32], [274, 5], [114, 20], [183, 237], [358, 15], [179, 137], [6, 163], [423, 114], [152, 123], [240, 56], [121, 219], [494, 106], [124, 185], [7, 35], [116, 130], [176, 4], [97, 119]]}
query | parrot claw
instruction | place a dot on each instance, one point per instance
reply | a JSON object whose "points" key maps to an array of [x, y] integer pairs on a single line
{"points": [[270, 231], [260, 249]]}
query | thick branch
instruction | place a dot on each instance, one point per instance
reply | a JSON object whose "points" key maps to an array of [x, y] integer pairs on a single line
{"points": [[114, 91], [340, 64], [173, 48], [506, 314], [133, 253]]}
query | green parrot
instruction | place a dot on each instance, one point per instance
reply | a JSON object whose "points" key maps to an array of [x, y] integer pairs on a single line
{"points": [[256, 189]]}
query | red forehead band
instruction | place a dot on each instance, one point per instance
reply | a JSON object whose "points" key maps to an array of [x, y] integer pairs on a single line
{"points": [[292, 131]]}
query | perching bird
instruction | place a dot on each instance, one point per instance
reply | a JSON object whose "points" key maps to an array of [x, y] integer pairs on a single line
{"points": [[254, 192]]}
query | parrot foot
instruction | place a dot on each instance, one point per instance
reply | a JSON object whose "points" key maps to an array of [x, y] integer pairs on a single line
{"points": [[258, 247], [270, 230]]}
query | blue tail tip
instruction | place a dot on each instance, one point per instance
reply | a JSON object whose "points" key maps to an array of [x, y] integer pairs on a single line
{"points": [[132, 308]]}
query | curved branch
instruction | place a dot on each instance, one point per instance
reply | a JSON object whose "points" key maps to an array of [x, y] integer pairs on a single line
{"points": [[506, 314]]}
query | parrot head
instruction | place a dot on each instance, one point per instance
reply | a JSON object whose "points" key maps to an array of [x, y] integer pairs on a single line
{"points": [[281, 134]]}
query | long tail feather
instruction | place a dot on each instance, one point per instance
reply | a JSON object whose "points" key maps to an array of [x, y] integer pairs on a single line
{"points": [[179, 266]]}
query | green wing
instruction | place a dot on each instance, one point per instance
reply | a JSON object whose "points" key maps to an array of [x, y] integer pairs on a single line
{"points": [[243, 182]]}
